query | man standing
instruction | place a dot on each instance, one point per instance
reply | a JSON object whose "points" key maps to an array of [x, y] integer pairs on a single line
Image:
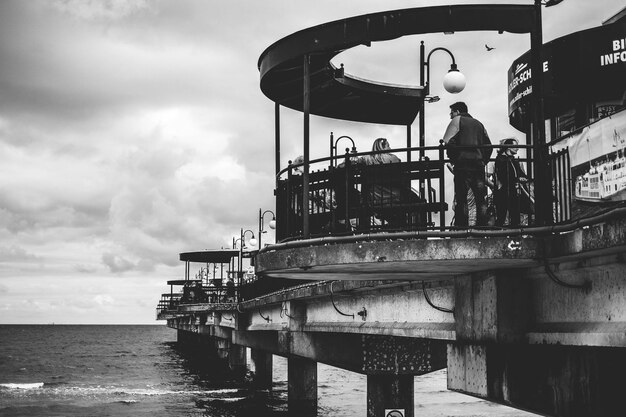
{"points": [[464, 137]]}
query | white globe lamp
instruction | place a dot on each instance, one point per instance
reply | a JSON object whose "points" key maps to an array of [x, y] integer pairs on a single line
{"points": [[454, 80]]}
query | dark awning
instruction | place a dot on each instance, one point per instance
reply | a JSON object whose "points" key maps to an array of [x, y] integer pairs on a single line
{"points": [[335, 94], [213, 256], [183, 281]]}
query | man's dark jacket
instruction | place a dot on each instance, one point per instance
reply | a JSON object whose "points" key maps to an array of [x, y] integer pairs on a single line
{"points": [[462, 131]]}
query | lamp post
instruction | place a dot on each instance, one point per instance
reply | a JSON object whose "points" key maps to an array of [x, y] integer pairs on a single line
{"points": [[241, 245], [235, 240], [453, 82], [333, 147], [272, 223]]}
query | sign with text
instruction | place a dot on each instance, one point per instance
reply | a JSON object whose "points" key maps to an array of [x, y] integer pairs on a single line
{"points": [[586, 66]]}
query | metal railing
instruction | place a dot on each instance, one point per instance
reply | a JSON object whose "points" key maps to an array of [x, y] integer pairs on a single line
{"points": [[167, 304], [198, 294], [347, 197]]}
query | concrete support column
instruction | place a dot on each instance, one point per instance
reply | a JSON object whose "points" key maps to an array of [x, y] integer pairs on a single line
{"points": [[491, 309], [237, 358], [554, 380], [302, 386], [262, 368], [388, 392], [182, 336]]}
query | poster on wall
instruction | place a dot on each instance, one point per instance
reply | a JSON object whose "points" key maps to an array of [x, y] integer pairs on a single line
{"points": [[598, 159]]}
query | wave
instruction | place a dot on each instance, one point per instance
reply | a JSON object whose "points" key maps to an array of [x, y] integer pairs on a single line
{"points": [[225, 400], [64, 389], [128, 401], [22, 385], [118, 391], [221, 391]]}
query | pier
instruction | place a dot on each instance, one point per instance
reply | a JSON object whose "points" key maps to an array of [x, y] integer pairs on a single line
{"points": [[529, 313], [544, 331]]}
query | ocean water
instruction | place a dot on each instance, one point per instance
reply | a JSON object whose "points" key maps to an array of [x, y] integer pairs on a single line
{"points": [[141, 371]]}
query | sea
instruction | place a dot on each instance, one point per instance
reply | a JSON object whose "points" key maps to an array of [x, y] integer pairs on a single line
{"points": [[85, 370]]}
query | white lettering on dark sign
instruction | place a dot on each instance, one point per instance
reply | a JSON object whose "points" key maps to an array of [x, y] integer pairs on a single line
{"points": [[618, 55], [523, 76], [518, 96]]}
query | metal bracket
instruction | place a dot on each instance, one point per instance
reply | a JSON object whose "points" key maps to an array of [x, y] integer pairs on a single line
{"points": [[283, 310], [430, 303], [333, 301], [585, 286], [267, 319]]}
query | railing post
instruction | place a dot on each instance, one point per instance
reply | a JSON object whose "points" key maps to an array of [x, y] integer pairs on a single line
{"points": [[332, 154], [305, 175], [277, 138], [346, 178], [442, 188], [568, 185], [408, 143], [291, 206]]}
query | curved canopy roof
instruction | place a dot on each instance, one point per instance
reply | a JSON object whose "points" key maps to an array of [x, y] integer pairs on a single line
{"points": [[335, 94]]}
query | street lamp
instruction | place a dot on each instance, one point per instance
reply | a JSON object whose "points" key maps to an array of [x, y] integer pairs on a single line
{"points": [[272, 223], [243, 240], [453, 82], [333, 147], [241, 246]]}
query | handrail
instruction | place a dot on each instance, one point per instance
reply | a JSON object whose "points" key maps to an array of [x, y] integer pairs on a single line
{"points": [[338, 202], [401, 151], [469, 232]]}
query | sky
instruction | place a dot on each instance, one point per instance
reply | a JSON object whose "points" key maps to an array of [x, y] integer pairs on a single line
{"points": [[134, 130]]}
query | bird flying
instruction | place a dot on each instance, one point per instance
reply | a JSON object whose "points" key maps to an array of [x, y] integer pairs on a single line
{"points": [[489, 48]]}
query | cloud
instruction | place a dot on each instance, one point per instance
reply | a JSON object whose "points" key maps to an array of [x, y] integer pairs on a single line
{"points": [[99, 9], [132, 130], [116, 263], [16, 254], [84, 269], [103, 299]]}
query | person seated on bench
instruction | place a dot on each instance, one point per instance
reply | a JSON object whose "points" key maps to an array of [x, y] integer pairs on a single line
{"points": [[382, 155], [387, 189]]}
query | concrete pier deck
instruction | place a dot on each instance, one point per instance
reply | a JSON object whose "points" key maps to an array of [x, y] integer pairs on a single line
{"points": [[532, 321]]}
